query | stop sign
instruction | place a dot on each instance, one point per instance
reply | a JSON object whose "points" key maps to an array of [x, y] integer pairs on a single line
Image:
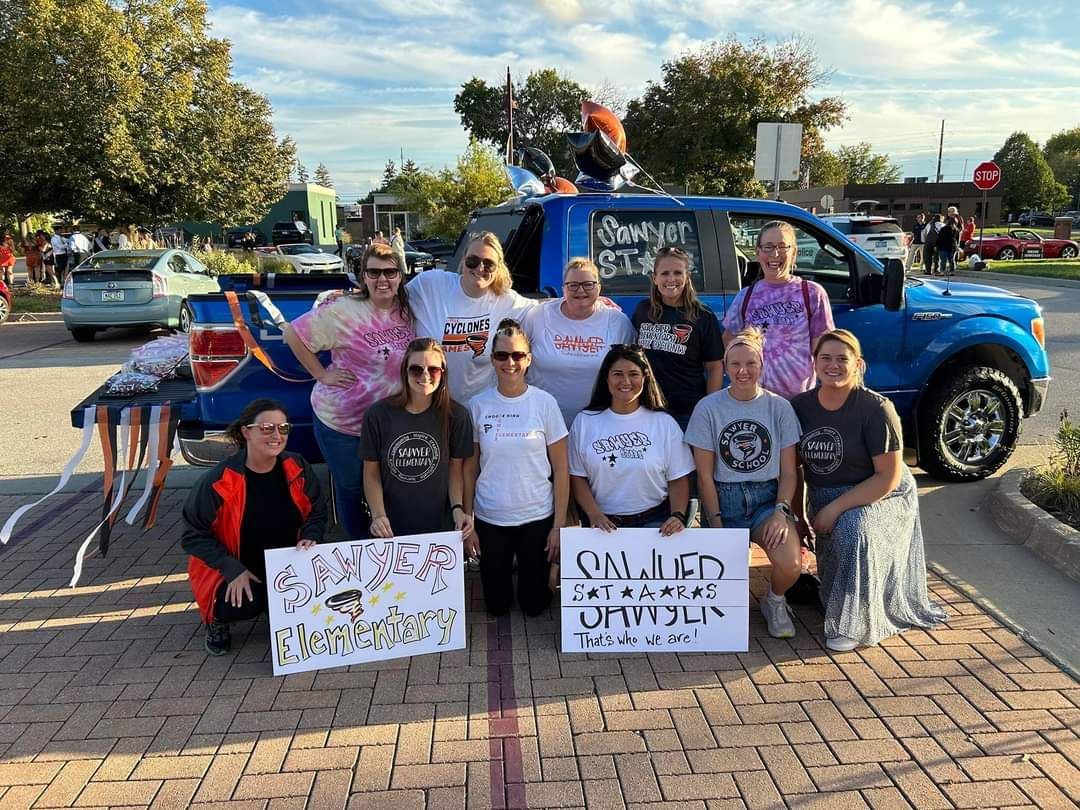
{"points": [[987, 175]]}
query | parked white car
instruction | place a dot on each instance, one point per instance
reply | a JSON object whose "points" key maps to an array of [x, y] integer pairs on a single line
{"points": [[881, 236], [305, 258]]}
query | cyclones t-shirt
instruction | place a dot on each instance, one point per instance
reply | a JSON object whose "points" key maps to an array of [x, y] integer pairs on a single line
{"points": [[464, 326], [778, 311], [363, 339], [677, 348], [837, 448], [566, 354], [628, 458]]}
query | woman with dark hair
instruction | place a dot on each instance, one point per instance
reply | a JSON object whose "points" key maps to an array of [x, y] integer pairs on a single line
{"points": [[863, 502], [7, 260], [517, 478], [32, 252], [261, 497], [629, 466], [680, 334], [414, 445], [101, 240], [366, 334]]}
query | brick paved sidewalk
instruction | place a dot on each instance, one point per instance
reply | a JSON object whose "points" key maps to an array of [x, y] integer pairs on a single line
{"points": [[107, 699]]}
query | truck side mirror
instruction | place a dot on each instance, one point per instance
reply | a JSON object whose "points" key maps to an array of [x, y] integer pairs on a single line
{"points": [[893, 289]]}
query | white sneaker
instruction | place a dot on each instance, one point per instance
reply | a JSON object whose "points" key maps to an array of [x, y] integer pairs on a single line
{"points": [[840, 643], [777, 617]]}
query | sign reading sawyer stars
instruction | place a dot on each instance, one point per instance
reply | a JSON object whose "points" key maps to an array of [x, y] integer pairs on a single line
{"points": [[633, 590]]}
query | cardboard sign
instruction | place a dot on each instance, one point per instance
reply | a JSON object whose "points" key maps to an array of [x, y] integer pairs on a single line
{"points": [[365, 600], [633, 590]]}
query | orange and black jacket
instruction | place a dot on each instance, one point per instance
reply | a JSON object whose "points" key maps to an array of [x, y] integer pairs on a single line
{"points": [[213, 514]]}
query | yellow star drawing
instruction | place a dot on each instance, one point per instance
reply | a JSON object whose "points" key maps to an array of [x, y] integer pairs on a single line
{"points": [[399, 596], [374, 600], [329, 619], [387, 587], [315, 609]]}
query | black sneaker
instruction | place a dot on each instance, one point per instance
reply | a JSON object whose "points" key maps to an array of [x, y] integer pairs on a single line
{"points": [[218, 638]]}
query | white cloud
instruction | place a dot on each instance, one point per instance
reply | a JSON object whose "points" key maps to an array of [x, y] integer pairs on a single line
{"points": [[561, 10]]}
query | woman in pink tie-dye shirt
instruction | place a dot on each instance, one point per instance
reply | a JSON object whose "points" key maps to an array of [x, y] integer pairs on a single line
{"points": [[366, 334]]}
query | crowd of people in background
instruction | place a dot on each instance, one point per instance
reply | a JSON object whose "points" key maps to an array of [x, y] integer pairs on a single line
{"points": [[51, 255], [937, 241]]}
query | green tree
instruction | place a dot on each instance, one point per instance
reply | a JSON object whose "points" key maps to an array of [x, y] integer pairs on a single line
{"points": [[388, 175], [127, 113], [548, 106], [1026, 176], [408, 179], [301, 171], [698, 124], [852, 164], [322, 176], [445, 199], [1062, 153]]}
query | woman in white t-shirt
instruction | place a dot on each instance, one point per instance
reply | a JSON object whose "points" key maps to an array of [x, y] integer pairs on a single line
{"points": [[629, 466], [570, 338], [516, 483], [462, 309]]}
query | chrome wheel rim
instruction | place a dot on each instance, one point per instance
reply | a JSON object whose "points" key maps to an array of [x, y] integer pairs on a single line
{"points": [[974, 426], [185, 319], [3, 310]]}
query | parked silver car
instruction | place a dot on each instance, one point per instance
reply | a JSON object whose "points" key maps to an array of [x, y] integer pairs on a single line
{"points": [[133, 288]]}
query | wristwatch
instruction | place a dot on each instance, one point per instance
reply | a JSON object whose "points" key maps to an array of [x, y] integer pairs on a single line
{"points": [[785, 508]]}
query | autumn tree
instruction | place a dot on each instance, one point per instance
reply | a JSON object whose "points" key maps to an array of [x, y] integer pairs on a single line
{"points": [[1026, 177], [851, 164]]}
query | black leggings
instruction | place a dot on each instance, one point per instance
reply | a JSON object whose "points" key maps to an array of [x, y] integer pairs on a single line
{"points": [[224, 612], [498, 545]]}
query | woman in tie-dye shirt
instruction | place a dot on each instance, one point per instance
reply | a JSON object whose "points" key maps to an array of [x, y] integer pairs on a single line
{"points": [[366, 334]]}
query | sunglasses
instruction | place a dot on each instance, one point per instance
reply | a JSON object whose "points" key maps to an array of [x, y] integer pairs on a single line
{"points": [[268, 428], [417, 371], [574, 286], [502, 356], [472, 262], [374, 272]]}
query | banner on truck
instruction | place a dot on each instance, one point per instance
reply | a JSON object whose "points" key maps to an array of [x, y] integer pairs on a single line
{"points": [[633, 590], [365, 600]]}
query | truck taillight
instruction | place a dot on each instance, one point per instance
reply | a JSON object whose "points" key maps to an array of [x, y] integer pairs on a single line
{"points": [[69, 288], [215, 353], [161, 289]]}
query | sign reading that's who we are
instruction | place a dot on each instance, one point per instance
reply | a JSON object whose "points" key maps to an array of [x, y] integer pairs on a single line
{"points": [[633, 590]]}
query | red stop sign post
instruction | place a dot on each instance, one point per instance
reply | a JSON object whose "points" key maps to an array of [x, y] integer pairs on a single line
{"points": [[987, 176]]}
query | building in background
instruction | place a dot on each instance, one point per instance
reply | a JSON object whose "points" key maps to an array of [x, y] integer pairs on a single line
{"points": [[314, 205], [900, 200]]}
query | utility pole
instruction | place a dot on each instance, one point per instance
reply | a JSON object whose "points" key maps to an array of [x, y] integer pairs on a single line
{"points": [[940, 149], [510, 104]]}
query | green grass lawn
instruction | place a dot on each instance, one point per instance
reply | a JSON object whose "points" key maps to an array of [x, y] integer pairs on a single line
{"points": [[1047, 268], [34, 299]]}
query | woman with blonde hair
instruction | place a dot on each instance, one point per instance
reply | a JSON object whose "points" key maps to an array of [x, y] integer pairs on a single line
{"points": [[863, 501], [462, 309]]}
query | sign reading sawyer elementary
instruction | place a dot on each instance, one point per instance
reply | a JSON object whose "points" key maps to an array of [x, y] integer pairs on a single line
{"points": [[624, 243], [365, 600], [633, 590]]}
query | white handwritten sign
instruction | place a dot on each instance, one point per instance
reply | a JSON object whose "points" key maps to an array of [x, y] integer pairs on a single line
{"points": [[365, 600], [625, 243], [634, 590]]}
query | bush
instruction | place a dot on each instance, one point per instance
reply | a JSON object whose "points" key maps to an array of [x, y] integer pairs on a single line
{"points": [[223, 263], [1056, 487]]}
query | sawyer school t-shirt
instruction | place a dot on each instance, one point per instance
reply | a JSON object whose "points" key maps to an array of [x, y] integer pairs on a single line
{"points": [[362, 338], [628, 458], [779, 311], [746, 437], [677, 348], [413, 464], [837, 448], [567, 354], [514, 485], [464, 325]]}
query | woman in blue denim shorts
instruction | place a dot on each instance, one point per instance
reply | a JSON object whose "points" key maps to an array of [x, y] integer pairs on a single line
{"points": [[744, 440]]}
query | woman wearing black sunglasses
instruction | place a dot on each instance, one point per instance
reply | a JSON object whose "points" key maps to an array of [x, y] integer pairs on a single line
{"points": [[414, 445], [366, 335], [261, 497]]}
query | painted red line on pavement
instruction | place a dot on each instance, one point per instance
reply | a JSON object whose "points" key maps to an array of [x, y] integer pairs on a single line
{"points": [[504, 736]]}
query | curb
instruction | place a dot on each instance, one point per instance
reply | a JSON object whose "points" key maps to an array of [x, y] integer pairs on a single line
{"points": [[990, 275], [1053, 540], [36, 317]]}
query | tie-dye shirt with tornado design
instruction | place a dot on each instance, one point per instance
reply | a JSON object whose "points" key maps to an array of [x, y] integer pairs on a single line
{"points": [[363, 339], [778, 311]]}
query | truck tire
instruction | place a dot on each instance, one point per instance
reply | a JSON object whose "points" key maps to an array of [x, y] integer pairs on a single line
{"points": [[969, 424]]}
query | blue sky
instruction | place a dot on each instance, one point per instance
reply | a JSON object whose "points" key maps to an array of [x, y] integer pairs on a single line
{"points": [[355, 83]]}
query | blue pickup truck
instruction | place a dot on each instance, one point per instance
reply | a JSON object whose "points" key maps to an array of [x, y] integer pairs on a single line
{"points": [[963, 363]]}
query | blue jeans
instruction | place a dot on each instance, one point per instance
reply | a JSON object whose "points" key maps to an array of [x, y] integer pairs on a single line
{"points": [[947, 261], [746, 504], [342, 454]]}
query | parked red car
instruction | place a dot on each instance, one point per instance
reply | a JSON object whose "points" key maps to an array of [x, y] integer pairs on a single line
{"points": [[1022, 244], [5, 302]]}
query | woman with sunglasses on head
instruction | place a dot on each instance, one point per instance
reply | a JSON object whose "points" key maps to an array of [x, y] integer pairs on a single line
{"points": [[414, 445], [517, 479], [261, 497], [462, 309], [569, 339], [366, 334], [744, 440], [681, 335], [863, 502], [629, 466]]}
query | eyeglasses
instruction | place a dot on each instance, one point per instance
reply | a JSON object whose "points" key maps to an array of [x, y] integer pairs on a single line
{"points": [[417, 371], [574, 286], [781, 248], [374, 272], [472, 262], [268, 428], [502, 356]]}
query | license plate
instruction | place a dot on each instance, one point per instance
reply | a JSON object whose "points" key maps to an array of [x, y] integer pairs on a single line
{"points": [[881, 247], [112, 295]]}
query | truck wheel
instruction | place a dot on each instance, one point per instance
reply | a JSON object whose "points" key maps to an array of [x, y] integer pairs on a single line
{"points": [[83, 334], [969, 424]]}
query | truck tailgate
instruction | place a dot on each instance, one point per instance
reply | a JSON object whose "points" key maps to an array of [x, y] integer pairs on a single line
{"points": [[178, 393]]}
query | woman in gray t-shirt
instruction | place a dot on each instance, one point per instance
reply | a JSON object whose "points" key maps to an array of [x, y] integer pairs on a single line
{"points": [[864, 503], [744, 441]]}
